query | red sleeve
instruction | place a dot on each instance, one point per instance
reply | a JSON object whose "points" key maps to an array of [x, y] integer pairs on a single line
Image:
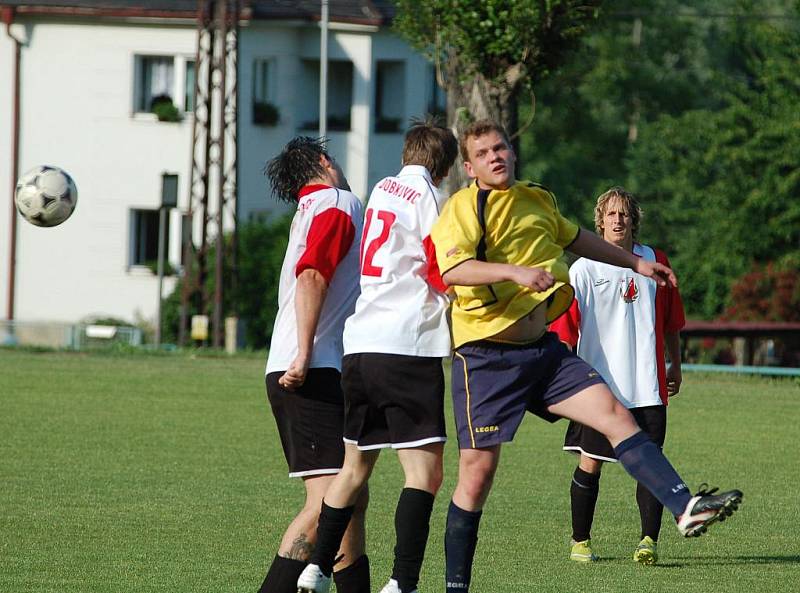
{"points": [[568, 325], [434, 277], [669, 306], [329, 239]]}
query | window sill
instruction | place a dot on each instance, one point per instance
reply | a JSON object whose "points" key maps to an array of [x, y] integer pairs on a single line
{"points": [[151, 117]]}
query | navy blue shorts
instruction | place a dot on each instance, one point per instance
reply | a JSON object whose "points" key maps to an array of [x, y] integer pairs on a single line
{"points": [[494, 384]]}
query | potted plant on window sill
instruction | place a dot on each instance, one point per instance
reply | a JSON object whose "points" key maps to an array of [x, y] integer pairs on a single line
{"points": [[164, 109]]}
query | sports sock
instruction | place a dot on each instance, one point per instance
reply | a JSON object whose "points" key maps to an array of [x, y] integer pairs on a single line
{"points": [[643, 460], [282, 576], [354, 578], [583, 493], [650, 512], [333, 523], [411, 524], [460, 540]]}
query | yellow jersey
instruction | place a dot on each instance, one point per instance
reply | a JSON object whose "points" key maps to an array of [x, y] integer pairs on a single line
{"points": [[523, 227]]}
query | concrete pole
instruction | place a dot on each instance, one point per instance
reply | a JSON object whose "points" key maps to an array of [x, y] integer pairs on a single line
{"points": [[323, 71]]}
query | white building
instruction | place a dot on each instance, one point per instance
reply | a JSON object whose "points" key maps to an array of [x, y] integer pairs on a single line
{"points": [[87, 74]]}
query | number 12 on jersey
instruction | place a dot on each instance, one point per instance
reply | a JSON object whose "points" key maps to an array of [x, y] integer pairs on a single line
{"points": [[368, 251]]}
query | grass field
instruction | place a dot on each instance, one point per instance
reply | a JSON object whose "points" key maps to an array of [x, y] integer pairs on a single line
{"points": [[144, 474]]}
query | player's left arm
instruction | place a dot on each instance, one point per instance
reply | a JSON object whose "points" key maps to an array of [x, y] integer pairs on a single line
{"points": [[674, 376], [590, 246]]}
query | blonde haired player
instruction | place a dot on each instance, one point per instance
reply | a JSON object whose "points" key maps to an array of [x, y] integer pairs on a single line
{"points": [[620, 323]]}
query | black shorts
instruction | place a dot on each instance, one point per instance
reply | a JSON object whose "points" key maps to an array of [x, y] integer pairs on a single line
{"points": [[582, 439], [393, 400], [310, 422]]}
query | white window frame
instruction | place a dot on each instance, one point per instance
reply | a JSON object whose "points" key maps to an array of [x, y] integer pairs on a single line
{"points": [[179, 62]]}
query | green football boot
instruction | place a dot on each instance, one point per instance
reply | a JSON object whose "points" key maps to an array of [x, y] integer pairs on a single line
{"points": [[582, 551], [646, 552]]}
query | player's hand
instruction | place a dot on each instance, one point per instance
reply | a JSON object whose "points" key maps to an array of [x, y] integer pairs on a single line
{"points": [[536, 279], [295, 375], [674, 380], [658, 272]]}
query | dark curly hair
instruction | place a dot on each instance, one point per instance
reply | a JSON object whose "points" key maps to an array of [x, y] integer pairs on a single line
{"points": [[296, 165]]}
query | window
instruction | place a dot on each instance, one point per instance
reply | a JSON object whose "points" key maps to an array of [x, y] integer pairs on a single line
{"points": [[144, 238], [390, 91], [156, 81], [340, 95], [188, 87], [264, 110], [164, 85]]}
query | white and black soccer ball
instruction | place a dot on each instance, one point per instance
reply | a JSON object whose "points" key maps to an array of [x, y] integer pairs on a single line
{"points": [[46, 196]]}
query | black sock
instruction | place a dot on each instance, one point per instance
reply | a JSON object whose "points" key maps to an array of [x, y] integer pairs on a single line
{"points": [[643, 460], [333, 523], [354, 578], [583, 493], [650, 512], [411, 524], [460, 540], [282, 576]]}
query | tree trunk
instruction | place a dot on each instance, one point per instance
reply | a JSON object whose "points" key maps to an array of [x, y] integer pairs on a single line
{"points": [[472, 100]]}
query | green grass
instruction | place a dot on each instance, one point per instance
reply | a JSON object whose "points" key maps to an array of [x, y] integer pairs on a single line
{"points": [[164, 473]]}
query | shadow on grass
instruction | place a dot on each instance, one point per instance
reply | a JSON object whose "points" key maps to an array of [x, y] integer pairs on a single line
{"points": [[729, 560]]}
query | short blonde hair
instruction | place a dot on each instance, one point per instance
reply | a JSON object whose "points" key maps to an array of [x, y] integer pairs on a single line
{"points": [[630, 204]]}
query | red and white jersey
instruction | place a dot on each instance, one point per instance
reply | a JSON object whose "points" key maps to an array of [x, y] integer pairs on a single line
{"points": [[322, 237], [618, 320], [402, 308]]}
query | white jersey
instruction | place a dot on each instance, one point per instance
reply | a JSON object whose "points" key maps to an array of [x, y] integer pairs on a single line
{"points": [[618, 319], [402, 308], [323, 237]]}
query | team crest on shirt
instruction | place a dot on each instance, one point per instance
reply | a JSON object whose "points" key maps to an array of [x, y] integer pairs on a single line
{"points": [[628, 290]]}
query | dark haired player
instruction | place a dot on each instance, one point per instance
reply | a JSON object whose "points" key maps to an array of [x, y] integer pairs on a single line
{"points": [[499, 242], [318, 290], [392, 370], [620, 323]]}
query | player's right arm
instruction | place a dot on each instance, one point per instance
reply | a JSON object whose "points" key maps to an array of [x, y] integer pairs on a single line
{"points": [[477, 273], [456, 235]]}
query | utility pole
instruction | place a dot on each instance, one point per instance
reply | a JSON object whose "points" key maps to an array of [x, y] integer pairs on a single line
{"points": [[213, 181]]}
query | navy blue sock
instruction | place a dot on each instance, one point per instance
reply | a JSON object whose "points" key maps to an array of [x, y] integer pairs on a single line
{"points": [[460, 540], [643, 460]]}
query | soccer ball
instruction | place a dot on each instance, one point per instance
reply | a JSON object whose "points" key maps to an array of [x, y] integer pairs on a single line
{"points": [[46, 196]]}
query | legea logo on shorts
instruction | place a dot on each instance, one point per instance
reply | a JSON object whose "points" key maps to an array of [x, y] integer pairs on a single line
{"points": [[487, 428]]}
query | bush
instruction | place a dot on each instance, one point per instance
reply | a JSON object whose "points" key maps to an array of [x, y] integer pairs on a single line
{"points": [[262, 245], [766, 293]]}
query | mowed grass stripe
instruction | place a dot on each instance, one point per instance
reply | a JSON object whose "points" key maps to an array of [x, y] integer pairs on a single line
{"points": [[164, 473]]}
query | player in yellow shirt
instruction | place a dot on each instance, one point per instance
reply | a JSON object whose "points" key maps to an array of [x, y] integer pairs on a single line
{"points": [[499, 244]]}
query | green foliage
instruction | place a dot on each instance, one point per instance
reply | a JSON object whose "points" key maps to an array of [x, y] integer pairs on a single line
{"points": [[262, 245], [166, 110], [726, 182], [695, 113], [489, 49]]}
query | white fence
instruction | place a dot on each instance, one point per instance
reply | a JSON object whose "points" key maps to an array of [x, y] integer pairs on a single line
{"points": [[79, 336]]}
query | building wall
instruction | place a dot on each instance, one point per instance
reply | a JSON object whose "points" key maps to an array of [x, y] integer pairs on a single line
{"points": [[78, 97]]}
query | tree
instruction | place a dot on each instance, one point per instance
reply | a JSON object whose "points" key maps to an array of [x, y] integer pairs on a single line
{"points": [[488, 51], [725, 183]]}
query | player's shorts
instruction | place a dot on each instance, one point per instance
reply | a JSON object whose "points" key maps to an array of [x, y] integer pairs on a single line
{"points": [[393, 400], [582, 439], [494, 384], [310, 422]]}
